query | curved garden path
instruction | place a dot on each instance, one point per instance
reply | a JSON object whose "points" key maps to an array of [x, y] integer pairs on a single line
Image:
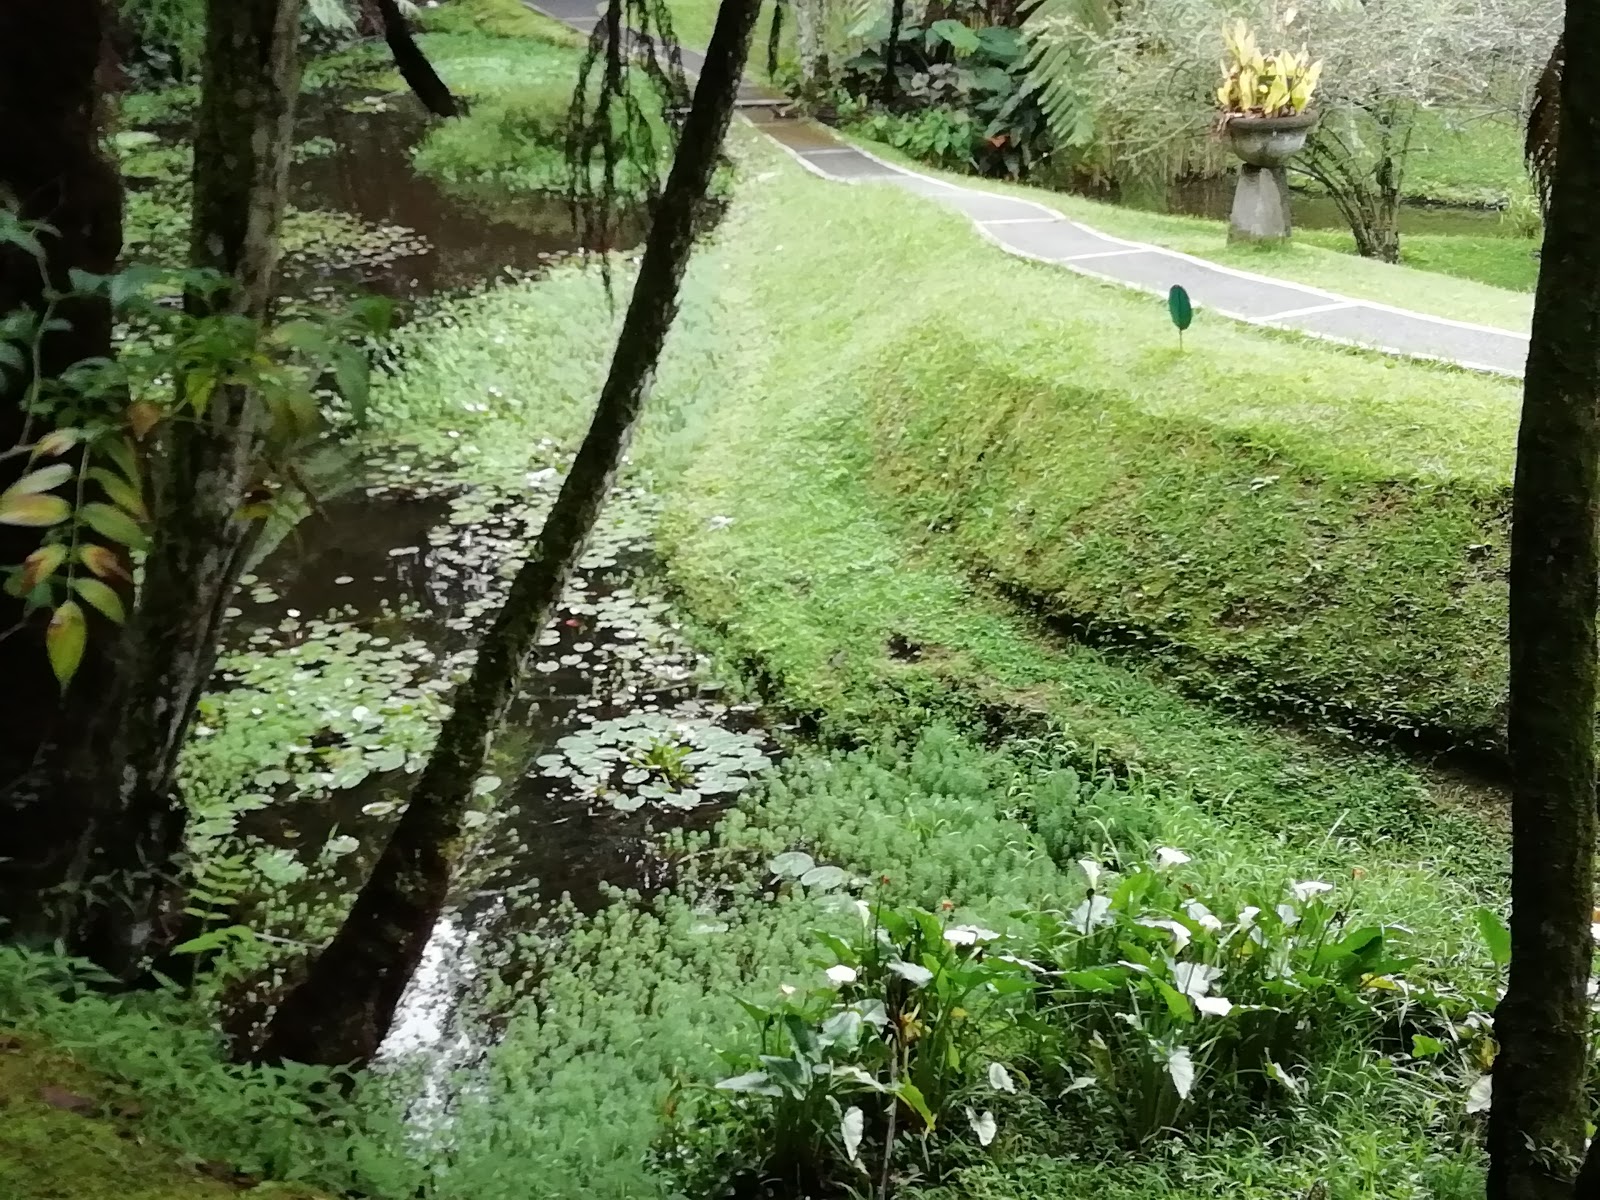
{"points": [[1030, 230]]}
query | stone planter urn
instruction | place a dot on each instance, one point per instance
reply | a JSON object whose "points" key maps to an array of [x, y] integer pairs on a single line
{"points": [[1261, 201]]}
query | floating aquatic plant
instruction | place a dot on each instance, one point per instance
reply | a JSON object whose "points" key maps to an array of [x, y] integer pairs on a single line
{"points": [[653, 757]]}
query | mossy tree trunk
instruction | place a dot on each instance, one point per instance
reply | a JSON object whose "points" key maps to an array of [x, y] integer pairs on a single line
{"points": [[345, 1006], [51, 170], [243, 140], [1537, 1122], [811, 45]]}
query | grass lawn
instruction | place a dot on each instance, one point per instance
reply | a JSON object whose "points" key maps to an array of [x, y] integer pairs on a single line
{"points": [[1286, 523]]}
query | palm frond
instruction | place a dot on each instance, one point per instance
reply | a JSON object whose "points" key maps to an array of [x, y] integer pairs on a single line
{"points": [[1544, 124]]}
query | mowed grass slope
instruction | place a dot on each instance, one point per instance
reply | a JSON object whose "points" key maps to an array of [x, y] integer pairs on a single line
{"points": [[1286, 523]]}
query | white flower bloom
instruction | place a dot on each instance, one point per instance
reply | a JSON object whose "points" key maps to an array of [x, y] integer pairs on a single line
{"points": [[1179, 931], [1091, 913], [1214, 1006], [1306, 889], [1091, 871], [841, 974], [1166, 856], [968, 935], [1248, 915], [1202, 916], [1194, 979]]}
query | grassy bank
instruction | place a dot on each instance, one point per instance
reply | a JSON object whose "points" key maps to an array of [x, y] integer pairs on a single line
{"points": [[1285, 523]]}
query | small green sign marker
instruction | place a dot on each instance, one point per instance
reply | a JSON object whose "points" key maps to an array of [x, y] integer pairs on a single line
{"points": [[1182, 311]]}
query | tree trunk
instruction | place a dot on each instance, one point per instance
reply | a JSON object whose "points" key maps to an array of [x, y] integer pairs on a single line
{"points": [[811, 42], [52, 169], [1536, 1124], [344, 1008], [243, 139], [414, 66], [891, 51]]}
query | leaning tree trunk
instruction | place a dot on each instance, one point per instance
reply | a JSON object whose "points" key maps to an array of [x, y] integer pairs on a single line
{"points": [[414, 66], [243, 140], [1537, 1121], [345, 1006], [52, 170]]}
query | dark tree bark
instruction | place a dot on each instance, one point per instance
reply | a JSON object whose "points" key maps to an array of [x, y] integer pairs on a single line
{"points": [[243, 139], [1536, 1124], [891, 51], [51, 170], [343, 1009], [414, 66]]}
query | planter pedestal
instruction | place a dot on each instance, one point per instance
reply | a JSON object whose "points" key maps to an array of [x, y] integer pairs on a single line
{"points": [[1261, 201], [1261, 206]]}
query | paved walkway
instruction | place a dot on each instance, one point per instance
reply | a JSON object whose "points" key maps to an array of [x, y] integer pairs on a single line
{"points": [[1030, 230]]}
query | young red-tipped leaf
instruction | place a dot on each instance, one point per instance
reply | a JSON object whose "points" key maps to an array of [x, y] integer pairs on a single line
{"points": [[106, 601], [27, 508], [64, 640], [40, 565], [56, 443], [103, 562]]}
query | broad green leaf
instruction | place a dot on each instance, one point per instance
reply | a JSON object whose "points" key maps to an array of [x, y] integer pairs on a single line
{"points": [[64, 641], [1177, 1003], [1496, 935], [122, 455], [121, 492], [1179, 306], [1423, 1046], [106, 601], [851, 1127], [114, 524], [825, 878], [912, 1095], [38, 511], [42, 480], [755, 1082], [791, 864]]}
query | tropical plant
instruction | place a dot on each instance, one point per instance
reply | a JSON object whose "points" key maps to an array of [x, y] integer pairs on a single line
{"points": [[860, 1072], [961, 98], [1264, 85]]}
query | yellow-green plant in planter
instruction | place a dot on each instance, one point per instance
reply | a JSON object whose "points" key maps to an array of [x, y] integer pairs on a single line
{"points": [[1264, 85]]}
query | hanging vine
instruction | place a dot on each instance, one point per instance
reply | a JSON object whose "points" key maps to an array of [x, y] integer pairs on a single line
{"points": [[611, 135]]}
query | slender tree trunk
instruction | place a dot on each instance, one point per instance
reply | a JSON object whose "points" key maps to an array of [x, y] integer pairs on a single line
{"points": [[1536, 1124], [891, 51], [51, 170], [243, 140], [414, 66], [344, 1008]]}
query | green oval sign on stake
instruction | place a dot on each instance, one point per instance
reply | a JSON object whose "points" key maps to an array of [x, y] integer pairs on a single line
{"points": [[1182, 311]]}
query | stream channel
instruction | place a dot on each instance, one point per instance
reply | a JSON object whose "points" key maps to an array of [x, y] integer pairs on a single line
{"points": [[615, 736]]}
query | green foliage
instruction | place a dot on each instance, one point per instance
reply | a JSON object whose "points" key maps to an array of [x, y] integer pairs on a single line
{"points": [[101, 409], [514, 135], [962, 100], [804, 570]]}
